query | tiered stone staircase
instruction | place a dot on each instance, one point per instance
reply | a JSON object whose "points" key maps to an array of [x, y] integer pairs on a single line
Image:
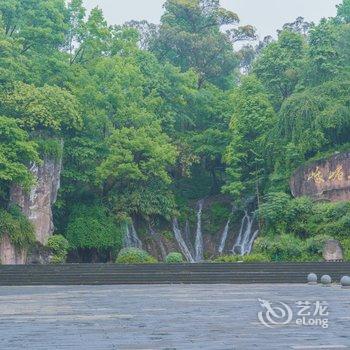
{"points": [[109, 274]]}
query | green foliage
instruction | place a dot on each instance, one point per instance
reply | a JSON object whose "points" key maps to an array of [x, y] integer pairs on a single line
{"points": [[93, 227], [190, 37], [251, 258], [17, 227], [154, 118], [174, 258], [345, 243], [135, 256], [282, 214], [280, 64], [315, 245], [344, 11], [59, 247], [46, 110], [16, 151], [217, 214], [247, 155], [136, 167], [51, 148], [286, 247], [330, 219], [312, 121]]}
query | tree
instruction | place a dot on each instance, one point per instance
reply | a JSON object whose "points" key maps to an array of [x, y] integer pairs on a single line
{"points": [[46, 111], [280, 64], [16, 152], [93, 227], [190, 36], [135, 172], [247, 156], [310, 122], [39, 25], [324, 57], [344, 11], [87, 40]]}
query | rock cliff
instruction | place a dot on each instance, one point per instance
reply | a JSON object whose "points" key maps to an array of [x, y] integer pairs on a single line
{"points": [[36, 205], [327, 179]]}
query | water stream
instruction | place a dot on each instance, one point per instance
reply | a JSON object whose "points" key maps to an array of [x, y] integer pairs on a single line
{"points": [[246, 236], [199, 254], [131, 239], [182, 244]]}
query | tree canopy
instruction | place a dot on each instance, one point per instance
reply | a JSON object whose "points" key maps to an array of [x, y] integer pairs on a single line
{"points": [[154, 118]]}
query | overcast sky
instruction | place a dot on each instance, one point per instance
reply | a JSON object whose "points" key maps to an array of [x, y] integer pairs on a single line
{"points": [[266, 15]]}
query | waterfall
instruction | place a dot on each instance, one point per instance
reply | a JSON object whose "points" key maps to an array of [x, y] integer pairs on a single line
{"points": [[224, 237], [246, 236], [225, 233], [182, 244], [199, 236], [187, 237], [131, 239]]}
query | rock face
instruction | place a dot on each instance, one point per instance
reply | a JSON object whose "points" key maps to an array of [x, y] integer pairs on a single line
{"points": [[9, 254], [327, 179], [332, 251], [37, 204]]}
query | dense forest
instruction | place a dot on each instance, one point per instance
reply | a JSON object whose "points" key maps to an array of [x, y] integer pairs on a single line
{"points": [[150, 120]]}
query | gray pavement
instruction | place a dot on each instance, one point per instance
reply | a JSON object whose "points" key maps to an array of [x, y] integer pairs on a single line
{"points": [[214, 317]]}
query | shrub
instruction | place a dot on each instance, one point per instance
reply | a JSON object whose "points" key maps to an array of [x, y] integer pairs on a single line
{"points": [[251, 258], [315, 245], [174, 258], [282, 214], [135, 256], [17, 226], [330, 219], [59, 247], [286, 247], [345, 243], [93, 227]]}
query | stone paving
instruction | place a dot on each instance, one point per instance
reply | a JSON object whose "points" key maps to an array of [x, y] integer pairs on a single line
{"points": [[214, 317]]}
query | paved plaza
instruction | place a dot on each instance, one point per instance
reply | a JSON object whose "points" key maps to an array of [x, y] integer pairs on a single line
{"points": [[214, 317]]}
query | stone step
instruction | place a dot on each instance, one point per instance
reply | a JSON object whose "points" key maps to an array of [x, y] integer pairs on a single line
{"points": [[104, 274]]}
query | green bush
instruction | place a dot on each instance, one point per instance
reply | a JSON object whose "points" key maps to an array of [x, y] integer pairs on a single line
{"points": [[93, 227], [345, 243], [59, 247], [135, 256], [251, 258], [17, 226], [174, 258], [330, 219], [282, 214], [315, 244], [286, 247]]}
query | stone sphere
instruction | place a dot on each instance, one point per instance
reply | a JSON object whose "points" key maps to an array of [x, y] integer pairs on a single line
{"points": [[312, 278], [345, 282], [326, 280]]}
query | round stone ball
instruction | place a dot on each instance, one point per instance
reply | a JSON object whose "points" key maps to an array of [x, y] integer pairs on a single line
{"points": [[312, 278], [345, 282], [326, 280]]}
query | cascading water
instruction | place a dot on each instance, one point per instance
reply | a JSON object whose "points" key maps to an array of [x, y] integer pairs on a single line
{"points": [[246, 236], [187, 237], [225, 233], [199, 235], [131, 239], [251, 242], [224, 237], [182, 244]]}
